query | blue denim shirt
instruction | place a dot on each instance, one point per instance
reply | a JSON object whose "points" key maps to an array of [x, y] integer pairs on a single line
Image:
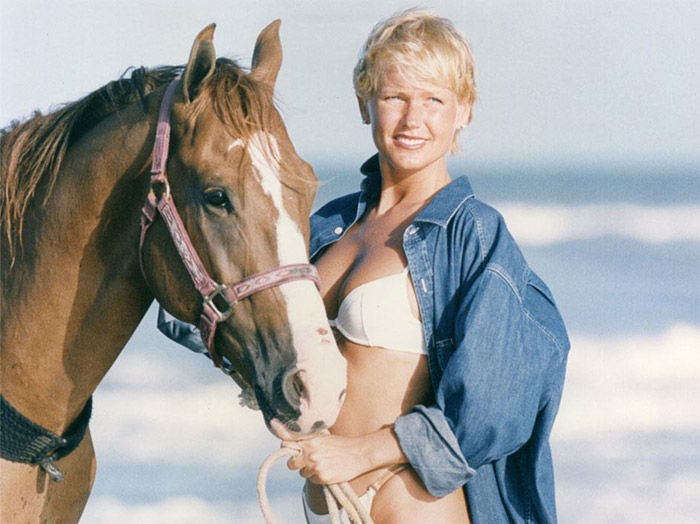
{"points": [[497, 351]]}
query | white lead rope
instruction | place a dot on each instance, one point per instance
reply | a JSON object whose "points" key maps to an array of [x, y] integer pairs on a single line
{"points": [[340, 494]]}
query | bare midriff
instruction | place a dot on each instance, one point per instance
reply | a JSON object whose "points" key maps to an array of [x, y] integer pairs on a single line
{"points": [[382, 384]]}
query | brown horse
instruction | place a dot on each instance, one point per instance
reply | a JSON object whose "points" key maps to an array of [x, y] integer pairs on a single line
{"points": [[73, 291]]}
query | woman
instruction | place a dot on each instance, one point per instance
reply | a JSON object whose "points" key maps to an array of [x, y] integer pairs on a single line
{"points": [[456, 352]]}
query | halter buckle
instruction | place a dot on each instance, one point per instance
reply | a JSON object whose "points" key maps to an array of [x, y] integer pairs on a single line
{"points": [[220, 293]]}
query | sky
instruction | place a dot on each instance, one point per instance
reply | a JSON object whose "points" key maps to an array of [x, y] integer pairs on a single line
{"points": [[571, 82]]}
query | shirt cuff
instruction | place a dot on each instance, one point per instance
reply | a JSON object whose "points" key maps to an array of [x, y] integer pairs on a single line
{"points": [[181, 332], [432, 449]]}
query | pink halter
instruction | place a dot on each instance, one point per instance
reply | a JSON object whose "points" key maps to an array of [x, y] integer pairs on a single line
{"points": [[219, 300]]}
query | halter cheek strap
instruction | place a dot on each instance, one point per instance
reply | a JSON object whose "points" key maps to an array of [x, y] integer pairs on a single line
{"points": [[218, 300]]}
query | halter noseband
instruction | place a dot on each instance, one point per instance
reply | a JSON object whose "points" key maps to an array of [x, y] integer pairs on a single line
{"points": [[219, 300]]}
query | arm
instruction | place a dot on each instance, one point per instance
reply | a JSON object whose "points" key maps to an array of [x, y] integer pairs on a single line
{"points": [[180, 332], [505, 369], [329, 459]]}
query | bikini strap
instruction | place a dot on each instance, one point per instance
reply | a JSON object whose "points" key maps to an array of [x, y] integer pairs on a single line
{"points": [[392, 471]]}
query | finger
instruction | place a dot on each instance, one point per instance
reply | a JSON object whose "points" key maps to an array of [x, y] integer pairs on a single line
{"points": [[293, 464], [291, 445], [306, 472]]}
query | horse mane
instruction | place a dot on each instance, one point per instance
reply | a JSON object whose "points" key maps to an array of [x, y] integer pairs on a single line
{"points": [[32, 152]]}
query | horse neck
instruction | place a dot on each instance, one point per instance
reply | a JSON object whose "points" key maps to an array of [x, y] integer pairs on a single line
{"points": [[82, 294]]}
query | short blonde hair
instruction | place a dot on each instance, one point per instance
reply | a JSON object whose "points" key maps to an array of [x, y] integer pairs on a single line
{"points": [[424, 46]]}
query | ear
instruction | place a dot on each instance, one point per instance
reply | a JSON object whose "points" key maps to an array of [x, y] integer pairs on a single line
{"points": [[201, 64], [464, 114], [364, 111], [267, 56]]}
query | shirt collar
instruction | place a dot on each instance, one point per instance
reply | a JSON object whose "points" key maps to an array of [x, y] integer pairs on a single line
{"points": [[439, 210]]}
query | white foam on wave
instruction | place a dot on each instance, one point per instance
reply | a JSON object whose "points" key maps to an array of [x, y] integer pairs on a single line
{"points": [[199, 425], [625, 440], [631, 385], [540, 225], [188, 510]]}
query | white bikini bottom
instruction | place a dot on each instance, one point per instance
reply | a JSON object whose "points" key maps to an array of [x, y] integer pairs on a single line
{"points": [[316, 518], [366, 498]]}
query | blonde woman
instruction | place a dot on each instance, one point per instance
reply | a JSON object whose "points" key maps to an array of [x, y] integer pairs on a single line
{"points": [[456, 351]]}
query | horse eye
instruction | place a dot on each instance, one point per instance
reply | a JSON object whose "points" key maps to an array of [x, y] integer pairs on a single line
{"points": [[217, 197]]}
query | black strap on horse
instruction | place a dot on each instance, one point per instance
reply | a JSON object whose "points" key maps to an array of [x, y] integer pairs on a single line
{"points": [[22, 440]]}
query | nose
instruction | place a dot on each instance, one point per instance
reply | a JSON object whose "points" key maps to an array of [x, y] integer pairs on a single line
{"points": [[293, 387], [413, 115], [309, 403]]}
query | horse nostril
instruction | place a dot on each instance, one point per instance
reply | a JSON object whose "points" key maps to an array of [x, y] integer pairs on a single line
{"points": [[341, 398], [318, 426], [298, 384], [293, 387]]}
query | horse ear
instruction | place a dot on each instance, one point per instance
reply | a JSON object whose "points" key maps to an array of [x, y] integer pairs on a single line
{"points": [[201, 64], [267, 57]]}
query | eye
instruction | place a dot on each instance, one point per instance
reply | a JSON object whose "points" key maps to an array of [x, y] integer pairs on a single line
{"points": [[217, 197], [435, 100]]}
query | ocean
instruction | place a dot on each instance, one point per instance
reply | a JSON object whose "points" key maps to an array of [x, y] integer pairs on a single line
{"points": [[620, 249]]}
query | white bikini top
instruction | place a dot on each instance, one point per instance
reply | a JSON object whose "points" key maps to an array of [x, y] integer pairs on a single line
{"points": [[378, 314]]}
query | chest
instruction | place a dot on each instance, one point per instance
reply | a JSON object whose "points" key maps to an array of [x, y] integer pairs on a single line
{"points": [[371, 249]]}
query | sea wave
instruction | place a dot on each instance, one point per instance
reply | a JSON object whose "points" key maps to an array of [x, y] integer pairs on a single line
{"points": [[188, 510], [633, 384], [180, 425], [627, 419], [542, 225], [615, 384]]}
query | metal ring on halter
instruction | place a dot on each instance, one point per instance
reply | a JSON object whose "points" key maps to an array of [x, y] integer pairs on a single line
{"points": [[220, 291], [166, 186]]}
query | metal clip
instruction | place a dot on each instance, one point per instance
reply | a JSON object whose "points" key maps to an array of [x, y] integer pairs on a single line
{"points": [[49, 466]]}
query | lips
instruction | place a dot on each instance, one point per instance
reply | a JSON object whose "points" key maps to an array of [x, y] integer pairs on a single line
{"points": [[409, 142]]}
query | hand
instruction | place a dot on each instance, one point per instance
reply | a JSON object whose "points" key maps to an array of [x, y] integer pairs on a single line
{"points": [[329, 459]]}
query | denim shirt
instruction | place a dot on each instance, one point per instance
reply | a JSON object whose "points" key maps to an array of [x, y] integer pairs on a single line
{"points": [[497, 350]]}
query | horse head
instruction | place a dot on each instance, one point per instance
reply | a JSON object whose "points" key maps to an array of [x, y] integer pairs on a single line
{"points": [[244, 196]]}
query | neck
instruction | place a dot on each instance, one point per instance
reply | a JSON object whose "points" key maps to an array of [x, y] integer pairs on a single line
{"points": [[410, 188], [82, 296]]}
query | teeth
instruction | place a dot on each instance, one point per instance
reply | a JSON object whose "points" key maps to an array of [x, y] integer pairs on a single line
{"points": [[410, 141]]}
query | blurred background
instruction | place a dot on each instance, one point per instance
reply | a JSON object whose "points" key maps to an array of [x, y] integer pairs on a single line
{"points": [[586, 137]]}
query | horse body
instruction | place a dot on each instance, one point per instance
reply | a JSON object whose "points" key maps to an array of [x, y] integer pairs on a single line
{"points": [[74, 292], [70, 305]]}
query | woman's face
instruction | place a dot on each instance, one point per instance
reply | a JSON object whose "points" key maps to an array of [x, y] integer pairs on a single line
{"points": [[413, 123]]}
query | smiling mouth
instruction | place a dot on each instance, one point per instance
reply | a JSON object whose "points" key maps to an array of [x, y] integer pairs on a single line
{"points": [[409, 142]]}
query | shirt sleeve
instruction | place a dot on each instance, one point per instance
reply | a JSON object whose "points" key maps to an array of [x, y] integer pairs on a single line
{"points": [[181, 332], [491, 390]]}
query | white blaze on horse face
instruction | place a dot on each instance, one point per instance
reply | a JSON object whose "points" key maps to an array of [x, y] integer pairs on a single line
{"points": [[322, 368]]}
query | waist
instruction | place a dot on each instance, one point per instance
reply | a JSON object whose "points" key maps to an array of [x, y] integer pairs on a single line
{"points": [[382, 385]]}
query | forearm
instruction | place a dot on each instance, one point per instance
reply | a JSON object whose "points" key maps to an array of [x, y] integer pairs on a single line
{"points": [[382, 448]]}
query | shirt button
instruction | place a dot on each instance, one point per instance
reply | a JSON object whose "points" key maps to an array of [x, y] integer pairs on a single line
{"points": [[338, 230]]}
